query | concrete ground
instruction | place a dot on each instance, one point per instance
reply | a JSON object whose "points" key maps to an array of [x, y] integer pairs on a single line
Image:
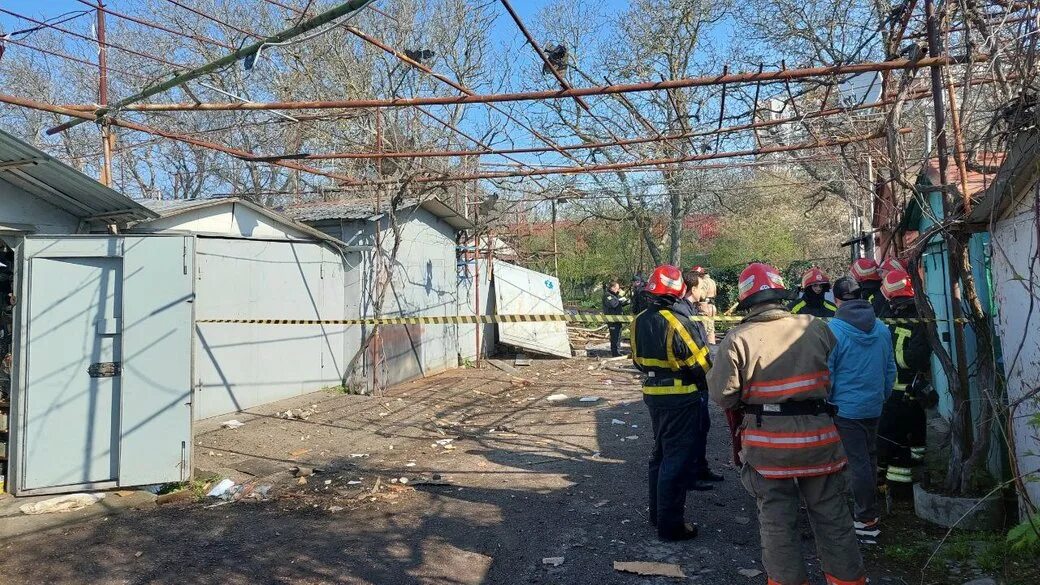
{"points": [[521, 479]]}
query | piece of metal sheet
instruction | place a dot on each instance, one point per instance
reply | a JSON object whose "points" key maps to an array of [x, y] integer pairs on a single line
{"points": [[520, 291]]}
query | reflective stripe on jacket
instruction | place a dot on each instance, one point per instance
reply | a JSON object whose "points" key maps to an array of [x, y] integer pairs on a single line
{"points": [[774, 357], [822, 309], [668, 348], [910, 345]]}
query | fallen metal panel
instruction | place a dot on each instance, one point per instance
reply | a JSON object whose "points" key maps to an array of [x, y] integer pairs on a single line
{"points": [[519, 291]]}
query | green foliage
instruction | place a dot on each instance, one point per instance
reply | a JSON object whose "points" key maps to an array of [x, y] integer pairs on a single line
{"points": [[1024, 537]]}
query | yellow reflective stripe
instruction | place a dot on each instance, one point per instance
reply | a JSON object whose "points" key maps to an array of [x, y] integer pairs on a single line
{"points": [[797, 308], [672, 362], [632, 338], [699, 354], [830, 306], [677, 387], [901, 334], [900, 387]]}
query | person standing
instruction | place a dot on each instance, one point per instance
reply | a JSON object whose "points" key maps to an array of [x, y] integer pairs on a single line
{"points": [[701, 471], [638, 295], [614, 303], [863, 371], [773, 365], [902, 431], [710, 290], [815, 285], [867, 274], [664, 348]]}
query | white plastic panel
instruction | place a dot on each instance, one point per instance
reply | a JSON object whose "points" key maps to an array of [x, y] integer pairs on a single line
{"points": [[519, 291]]}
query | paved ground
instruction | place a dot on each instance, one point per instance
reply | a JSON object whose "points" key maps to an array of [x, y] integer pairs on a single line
{"points": [[526, 478]]}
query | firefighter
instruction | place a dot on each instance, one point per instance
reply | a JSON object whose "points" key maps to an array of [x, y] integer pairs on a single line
{"points": [[773, 366], [665, 348], [901, 432], [867, 273], [813, 302], [614, 303], [638, 295], [891, 264]]}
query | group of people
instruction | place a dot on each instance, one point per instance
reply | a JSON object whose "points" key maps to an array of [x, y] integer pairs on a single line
{"points": [[816, 407]]}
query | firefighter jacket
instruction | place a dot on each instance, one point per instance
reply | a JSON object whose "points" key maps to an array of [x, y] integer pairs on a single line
{"points": [[774, 358], [871, 291], [910, 345], [671, 350], [812, 304]]}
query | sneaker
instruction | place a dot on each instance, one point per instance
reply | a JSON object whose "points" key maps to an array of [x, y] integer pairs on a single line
{"points": [[868, 530]]}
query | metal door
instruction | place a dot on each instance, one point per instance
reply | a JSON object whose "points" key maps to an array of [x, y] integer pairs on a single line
{"points": [[71, 412], [103, 363]]}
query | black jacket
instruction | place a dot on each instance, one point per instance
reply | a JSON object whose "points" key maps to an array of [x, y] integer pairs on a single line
{"points": [[613, 304], [871, 291], [672, 380], [909, 342], [812, 304], [639, 300]]}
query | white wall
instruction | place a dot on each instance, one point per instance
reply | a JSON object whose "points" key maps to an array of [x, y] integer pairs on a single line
{"points": [[18, 208], [1014, 241], [230, 218], [238, 366]]}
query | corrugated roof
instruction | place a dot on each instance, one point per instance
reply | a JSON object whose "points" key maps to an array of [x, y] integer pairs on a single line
{"points": [[976, 181], [357, 209], [168, 207], [34, 171]]}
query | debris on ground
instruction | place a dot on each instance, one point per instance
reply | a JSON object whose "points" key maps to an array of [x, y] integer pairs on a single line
{"points": [[302, 471], [617, 421], [221, 488], [522, 360], [553, 561], [66, 503], [556, 397], [358, 455], [296, 414], [589, 399], [749, 573], [650, 568], [183, 495], [232, 424]]}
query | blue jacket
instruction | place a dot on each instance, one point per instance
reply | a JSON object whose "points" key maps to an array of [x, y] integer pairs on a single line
{"points": [[862, 363]]}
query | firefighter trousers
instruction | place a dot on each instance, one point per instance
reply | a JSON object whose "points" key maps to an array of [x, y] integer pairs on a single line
{"points": [[826, 501], [901, 441], [699, 465], [675, 436]]}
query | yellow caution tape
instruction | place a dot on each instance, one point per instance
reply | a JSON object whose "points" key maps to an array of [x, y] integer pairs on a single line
{"points": [[492, 319]]}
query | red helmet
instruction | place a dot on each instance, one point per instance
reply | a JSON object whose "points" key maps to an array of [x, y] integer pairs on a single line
{"points": [[891, 264], [814, 276], [760, 283], [897, 284], [864, 269], [666, 280]]}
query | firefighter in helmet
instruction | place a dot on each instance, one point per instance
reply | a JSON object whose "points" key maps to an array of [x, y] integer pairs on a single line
{"points": [[891, 264], [773, 366], [901, 431], [815, 285], [674, 356], [867, 273]]}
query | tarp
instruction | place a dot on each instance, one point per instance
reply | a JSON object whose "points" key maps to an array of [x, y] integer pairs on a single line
{"points": [[519, 291]]}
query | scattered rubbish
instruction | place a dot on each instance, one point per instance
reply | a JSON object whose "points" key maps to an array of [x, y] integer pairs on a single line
{"points": [[301, 471], [608, 381], [67, 503], [403, 480], [410, 464], [138, 554], [296, 414], [635, 426], [393, 480], [521, 360], [435, 481], [335, 509], [152, 489], [600, 503], [444, 442], [648, 568], [328, 482], [617, 421], [556, 397], [589, 399], [221, 488], [302, 481], [184, 495], [232, 424], [632, 437], [353, 482], [554, 561], [358, 455], [298, 453], [749, 573]]}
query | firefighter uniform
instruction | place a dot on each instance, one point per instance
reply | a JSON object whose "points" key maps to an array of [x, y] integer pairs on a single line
{"points": [[813, 303], [868, 274], [665, 349], [773, 366], [902, 429]]}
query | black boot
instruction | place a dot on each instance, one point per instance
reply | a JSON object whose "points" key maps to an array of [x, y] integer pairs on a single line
{"points": [[697, 486], [685, 532], [709, 475]]}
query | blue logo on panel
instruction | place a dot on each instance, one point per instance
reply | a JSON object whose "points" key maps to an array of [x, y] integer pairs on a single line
{"points": [[548, 284]]}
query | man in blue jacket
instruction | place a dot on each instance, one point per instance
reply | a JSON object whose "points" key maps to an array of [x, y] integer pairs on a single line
{"points": [[863, 373]]}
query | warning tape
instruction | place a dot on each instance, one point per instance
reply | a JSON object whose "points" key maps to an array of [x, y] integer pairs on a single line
{"points": [[492, 319]]}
